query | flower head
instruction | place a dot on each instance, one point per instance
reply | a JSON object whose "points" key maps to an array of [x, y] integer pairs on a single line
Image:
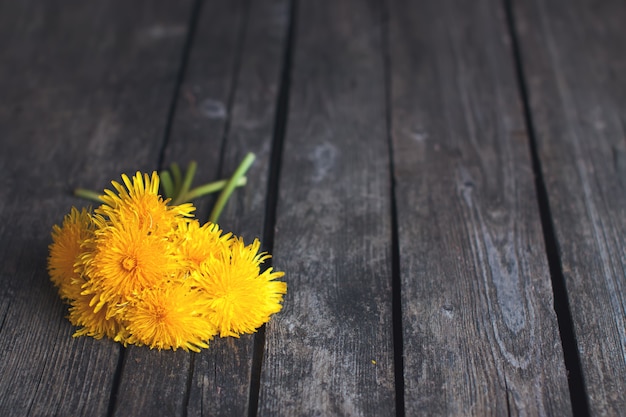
{"points": [[124, 259], [65, 250], [94, 323], [241, 299], [169, 317], [201, 243], [138, 201]]}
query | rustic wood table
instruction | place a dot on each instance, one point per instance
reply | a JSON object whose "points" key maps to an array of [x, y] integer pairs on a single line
{"points": [[443, 182]]}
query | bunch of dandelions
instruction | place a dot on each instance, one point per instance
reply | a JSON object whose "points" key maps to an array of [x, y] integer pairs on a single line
{"points": [[141, 270]]}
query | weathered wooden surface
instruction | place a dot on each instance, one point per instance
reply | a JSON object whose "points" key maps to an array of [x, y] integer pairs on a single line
{"points": [[574, 65], [331, 351], [443, 236], [480, 333]]}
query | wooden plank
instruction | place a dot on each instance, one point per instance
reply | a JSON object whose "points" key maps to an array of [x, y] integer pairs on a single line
{"points": [[86, 90], [573, 58], [225, 109], [480, 333], [202, 116], [222, 375], [330, 351]]}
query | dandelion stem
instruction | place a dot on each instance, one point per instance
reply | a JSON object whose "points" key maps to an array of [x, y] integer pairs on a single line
{"points": [[211, 187], [169, 189], [87, 194], [178, 179], [230, 186], [189, 174], [168, 185]]}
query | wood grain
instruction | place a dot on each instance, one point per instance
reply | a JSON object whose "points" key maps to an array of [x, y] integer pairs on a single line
{"points": [[86, 88], [574, 64], [480, 333], [330, 351]]}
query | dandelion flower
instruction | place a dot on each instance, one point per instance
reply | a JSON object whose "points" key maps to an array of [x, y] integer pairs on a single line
{"points": [[93, 323], [65, 250], [197, 244], [124, 260], [139, 201], [240, 299], [169, 317]]}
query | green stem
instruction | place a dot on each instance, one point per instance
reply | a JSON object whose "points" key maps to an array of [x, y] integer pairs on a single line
{"points": [[211, 187], [189, 174], [87, 194], [166, 182], [178, 178], [168, 185], [230, 186]]}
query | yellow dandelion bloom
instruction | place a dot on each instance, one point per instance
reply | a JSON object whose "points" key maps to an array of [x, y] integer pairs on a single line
{"points": [[169, 317], [93, 323], [197, 244], [139, 201], [240, 299], [65, 250], [124, 260]]}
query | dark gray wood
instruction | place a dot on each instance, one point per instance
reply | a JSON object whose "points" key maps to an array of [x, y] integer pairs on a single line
{"points": [[226, 108], [86, 88], [152, 383], [330, 351], [203, 105], [573, 58], [480, 334]]}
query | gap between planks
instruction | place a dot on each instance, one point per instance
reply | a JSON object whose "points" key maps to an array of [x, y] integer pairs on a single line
{"points": [[271, 200], [578, 396], [396, 279]]}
